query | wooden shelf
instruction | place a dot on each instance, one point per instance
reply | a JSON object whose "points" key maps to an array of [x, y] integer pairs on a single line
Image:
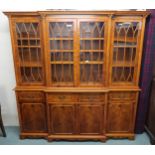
{"points": [[125, 46], [30, 64], [60, 38], [128, 39], [92, 50], [91, 38], [28, 39], [91, 62], [61, 50], [123, 64], [62, 62], [28, 46]]}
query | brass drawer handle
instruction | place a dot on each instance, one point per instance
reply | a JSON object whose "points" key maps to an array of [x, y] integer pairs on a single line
{"points": [[61, 97]]}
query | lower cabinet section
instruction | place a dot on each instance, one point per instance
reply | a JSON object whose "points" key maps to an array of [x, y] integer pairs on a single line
{"points": [[33, 117], [81, 116]]}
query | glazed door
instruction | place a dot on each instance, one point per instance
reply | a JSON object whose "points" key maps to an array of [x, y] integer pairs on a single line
{"points": [[77, 51], [61, 53], [126, 38], [29, 53], [33, 117], [92, 51]]}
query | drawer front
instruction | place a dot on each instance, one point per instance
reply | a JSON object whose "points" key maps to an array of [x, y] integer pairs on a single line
{"points": [[88, 97], [116, 96], [30, 96], [62, 98]]}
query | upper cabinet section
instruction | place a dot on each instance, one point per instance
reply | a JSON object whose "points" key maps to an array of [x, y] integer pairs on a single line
{"points": [[28, 51], [77, 48]]}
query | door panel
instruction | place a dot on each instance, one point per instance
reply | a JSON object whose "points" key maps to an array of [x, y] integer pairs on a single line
{"points": [[61, 44], [91, 118], [29, 54], [124, 53], [92, 49], [120, 116], [33, 117], [62, 118]]}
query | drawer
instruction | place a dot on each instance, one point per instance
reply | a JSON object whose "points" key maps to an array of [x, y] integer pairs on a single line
{"points": [[88, 97], [28, 96], [62, 98], [115, 96]]}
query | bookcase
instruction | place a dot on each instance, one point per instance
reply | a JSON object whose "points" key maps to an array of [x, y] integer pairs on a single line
{"points": [[77, 72]]}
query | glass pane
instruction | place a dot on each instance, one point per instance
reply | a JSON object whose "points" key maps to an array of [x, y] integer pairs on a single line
{"points": [[122, 74], [62, 73], [93, 44], [91, 56], [31, 74], [61, 29], [124, 54], [27, 30], [61, 44], [30, 55], [126, 33], [61, 56], [91, 29], [91, 73]]}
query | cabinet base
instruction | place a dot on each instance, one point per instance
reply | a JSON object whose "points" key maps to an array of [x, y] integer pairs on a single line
{"points": [[101, 138], [33, 135], [130, 136], [77, 137]]}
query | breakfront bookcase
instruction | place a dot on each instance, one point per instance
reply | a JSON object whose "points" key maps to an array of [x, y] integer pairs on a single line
{"points": [[77, 72]]}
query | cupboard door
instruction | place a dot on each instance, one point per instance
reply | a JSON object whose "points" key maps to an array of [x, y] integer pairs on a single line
{"points": [[90, 119], [62, 118], [120, 117], [92, 51], [125, 51], [61, 51], [29, 54], [33, 116]]}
